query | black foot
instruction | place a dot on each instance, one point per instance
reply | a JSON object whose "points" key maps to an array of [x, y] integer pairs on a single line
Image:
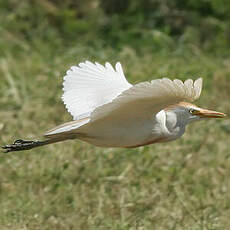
{"points": [[19, 145]]}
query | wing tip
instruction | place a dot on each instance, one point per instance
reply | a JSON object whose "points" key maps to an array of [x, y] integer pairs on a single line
{"points": [[198, 83]]}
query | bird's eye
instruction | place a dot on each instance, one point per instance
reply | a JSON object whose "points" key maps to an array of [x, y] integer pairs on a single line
{"points": [[192, 111]]}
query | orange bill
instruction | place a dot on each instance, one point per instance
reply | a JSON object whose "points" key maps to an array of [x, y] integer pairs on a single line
{"points": [[209, 114]]}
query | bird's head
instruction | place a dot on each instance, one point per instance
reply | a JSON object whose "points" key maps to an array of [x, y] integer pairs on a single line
{"points": [[189, 112]]}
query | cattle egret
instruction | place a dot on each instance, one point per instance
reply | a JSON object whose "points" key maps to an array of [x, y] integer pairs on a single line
{"points": [[108, 111]]}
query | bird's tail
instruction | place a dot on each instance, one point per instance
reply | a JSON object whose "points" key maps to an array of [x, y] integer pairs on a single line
{"points": [[20, 144]]}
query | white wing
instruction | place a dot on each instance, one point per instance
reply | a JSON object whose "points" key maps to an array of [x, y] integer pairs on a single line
{"points": [[89, 85], [146, 99]]}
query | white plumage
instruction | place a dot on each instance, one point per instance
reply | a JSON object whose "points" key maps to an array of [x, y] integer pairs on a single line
{"points": [[109, 111], [89, 85]]}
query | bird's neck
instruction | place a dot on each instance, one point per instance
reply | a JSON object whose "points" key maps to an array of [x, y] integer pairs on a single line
{"points": [[175, 123], [167, 125]]}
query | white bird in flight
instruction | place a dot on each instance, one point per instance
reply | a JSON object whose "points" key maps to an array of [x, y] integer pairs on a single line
{"points": [[108, 111]]}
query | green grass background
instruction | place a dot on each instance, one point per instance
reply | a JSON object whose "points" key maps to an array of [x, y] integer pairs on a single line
{"points": [[73, 185]]}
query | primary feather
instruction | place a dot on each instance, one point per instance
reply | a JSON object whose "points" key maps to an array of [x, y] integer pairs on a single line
{"points": [[89, 85]]}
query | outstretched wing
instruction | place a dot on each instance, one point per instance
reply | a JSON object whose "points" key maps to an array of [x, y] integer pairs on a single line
{"points": [[145, 99], [89, 85]]}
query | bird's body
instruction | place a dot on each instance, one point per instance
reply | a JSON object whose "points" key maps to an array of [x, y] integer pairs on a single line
{"points": [[110, 112], [123, 133], [127, 133]]}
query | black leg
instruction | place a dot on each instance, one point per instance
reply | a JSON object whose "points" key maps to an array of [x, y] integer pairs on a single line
{"points": [[19, 145]]}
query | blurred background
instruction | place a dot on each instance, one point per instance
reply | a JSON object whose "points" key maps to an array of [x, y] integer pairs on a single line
{"points": [[143, 25], [73, 185], [150, 25]]}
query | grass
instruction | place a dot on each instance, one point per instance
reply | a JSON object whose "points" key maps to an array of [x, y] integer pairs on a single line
{"points": [[73, 185]]}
